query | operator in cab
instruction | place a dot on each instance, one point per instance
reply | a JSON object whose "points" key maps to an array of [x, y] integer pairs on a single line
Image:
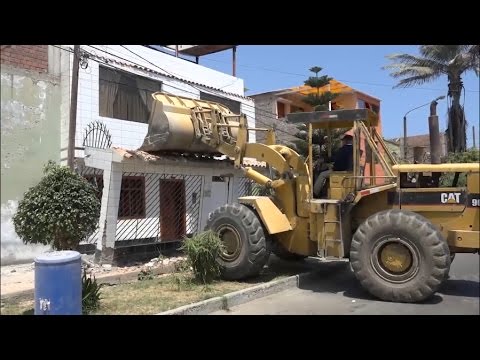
{"points": [[342, 161]]}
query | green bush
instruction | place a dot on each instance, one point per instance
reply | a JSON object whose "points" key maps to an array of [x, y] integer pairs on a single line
{"points": [[61, 210], [91, 294], [202, 251], [145, 275], [469, 156]]}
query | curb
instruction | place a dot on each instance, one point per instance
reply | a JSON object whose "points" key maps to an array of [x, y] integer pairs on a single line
{"points": [[227, 301]]}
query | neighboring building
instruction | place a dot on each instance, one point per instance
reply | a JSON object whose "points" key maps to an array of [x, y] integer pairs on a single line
{"points": [[114, 102], [30, 126], [30, 114], [418, 147], [273, 106]]}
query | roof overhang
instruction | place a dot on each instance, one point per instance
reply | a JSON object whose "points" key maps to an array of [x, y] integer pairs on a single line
{"points": [[199, 50]]}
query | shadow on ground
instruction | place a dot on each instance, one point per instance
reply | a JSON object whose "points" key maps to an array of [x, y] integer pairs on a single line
{"points": [[337, 277], [279, 268]]}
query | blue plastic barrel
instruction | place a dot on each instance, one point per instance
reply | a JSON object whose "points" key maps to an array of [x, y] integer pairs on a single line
{"points": [[58, 283]]}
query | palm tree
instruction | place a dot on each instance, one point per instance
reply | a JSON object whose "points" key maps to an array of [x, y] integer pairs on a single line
{"points": [[433, 62]]}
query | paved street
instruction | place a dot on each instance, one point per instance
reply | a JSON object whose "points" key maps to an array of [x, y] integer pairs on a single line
{"points": [[336, 291]]}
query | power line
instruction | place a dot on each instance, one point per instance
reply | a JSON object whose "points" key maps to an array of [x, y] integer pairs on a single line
{"points": [[266, 114], [274, 116], [304, 76], [169, 73], [183, 90], [257, 110]]}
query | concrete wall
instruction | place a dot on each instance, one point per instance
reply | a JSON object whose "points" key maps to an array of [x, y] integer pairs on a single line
{"points": [[266, 110], [128, 134], [30, 135]]}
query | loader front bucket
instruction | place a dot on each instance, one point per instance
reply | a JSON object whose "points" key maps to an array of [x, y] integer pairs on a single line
{"points": [[171, 127]]}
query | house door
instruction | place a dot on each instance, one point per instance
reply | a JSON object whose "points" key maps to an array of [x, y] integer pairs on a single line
{"points": [[220, 187], [172, 210]]}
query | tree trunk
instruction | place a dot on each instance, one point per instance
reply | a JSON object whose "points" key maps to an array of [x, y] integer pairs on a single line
{"points": [[457, 126]]}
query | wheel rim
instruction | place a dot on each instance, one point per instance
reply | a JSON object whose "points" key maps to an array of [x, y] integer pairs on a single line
{"points": [[231, 241], [395, 260]]}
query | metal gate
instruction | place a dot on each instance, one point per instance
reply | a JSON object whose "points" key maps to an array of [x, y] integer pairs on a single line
{"points": [[158, 207]]}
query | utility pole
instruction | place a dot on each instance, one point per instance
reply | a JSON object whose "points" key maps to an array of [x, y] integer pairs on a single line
{"points": [[73, 106], [473, 133], [435, 148], [234, 61]]}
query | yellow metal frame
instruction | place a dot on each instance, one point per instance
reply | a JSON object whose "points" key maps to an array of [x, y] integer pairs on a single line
{"points": [[462, 168], [273, 219], [293, 216]]}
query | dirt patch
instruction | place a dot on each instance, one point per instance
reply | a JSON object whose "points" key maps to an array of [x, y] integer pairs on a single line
{"points": [[16, 278]]}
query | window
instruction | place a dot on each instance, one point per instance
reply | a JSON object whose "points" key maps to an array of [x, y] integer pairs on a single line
{"points": [[132, 198], [294, 109], [126, 96], [280, 110], [365, 105], [233, 105]]}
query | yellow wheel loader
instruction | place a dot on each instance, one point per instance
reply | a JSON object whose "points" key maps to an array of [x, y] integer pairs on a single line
{"points": [[397, 226]]}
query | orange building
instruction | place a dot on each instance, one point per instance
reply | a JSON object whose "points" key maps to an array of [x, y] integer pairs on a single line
{"points": [[273, 107]]}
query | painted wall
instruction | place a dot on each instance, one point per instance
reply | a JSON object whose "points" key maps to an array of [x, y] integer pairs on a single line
{"points": [[266, 110], [30, 136]]}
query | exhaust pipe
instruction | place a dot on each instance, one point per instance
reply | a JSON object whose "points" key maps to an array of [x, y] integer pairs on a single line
{"points": [[434, 130]]}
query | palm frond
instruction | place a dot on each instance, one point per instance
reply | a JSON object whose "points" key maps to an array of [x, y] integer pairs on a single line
{"points": [[417, 80], [408, 59], [442, 53], [407, 72], [474, 56]]}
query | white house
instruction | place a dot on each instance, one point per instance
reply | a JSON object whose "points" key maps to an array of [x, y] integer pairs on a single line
{"points": [[115, 82], [149, 199]]}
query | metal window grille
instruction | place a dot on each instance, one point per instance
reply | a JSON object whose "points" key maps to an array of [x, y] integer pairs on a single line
{"points": [[168, 210]]}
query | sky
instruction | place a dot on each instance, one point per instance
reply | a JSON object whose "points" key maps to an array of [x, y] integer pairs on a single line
{"points": [[269, 67]]}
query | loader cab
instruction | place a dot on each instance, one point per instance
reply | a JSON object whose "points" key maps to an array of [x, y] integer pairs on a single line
{"points": [[372, 161]]}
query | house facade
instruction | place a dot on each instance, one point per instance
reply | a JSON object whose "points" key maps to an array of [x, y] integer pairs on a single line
{"points": [[152, 199], [114, 101]]}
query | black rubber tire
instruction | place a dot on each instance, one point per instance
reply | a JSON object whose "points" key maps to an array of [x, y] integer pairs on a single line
{"points": [[432, 249], [255, 245], [279, 250]]}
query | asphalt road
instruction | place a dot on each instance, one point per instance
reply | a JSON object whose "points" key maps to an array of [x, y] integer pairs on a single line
{"points": [[335, 291]]}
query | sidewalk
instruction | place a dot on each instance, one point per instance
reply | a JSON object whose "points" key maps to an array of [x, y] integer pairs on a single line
{"points": [[21, 278]]}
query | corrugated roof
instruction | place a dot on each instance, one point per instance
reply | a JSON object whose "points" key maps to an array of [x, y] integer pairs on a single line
{"points": [[147, 69], [336, 87]]}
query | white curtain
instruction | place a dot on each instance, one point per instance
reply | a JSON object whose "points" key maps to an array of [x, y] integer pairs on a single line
{"points": [[108, 91]]}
